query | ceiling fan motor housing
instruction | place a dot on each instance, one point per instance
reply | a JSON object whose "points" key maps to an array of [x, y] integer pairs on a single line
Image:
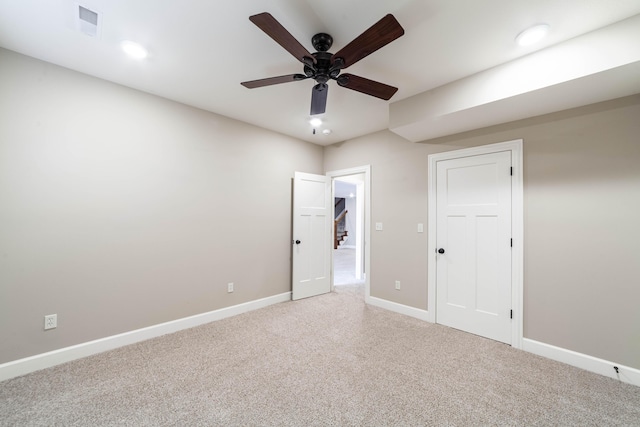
{"points": [[322, 71], [326, 66]]}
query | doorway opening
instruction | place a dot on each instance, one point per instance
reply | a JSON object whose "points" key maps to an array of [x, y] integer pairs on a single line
{"points": [[350, 230], [348, 265]]}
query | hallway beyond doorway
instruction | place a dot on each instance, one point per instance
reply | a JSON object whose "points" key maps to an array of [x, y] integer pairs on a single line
{"points": [[344, 267]]}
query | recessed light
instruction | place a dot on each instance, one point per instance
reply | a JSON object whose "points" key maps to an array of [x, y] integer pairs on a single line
{"points": [[134, 50], [315, 122], [532, 35], [326, 131]]}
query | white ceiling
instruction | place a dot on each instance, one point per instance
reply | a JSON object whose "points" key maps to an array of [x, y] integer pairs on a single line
{"points": [[200, 50]]}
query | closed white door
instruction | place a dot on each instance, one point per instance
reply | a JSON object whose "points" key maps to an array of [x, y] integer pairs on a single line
{"points": [[311, 271], [473, 241]]}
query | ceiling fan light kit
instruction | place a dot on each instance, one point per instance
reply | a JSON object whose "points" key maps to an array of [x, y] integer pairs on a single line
{"points": [[323, 66], [315, 122]]}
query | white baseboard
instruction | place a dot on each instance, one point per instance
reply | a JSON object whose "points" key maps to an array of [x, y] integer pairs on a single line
{"points": [[583, 361], [24, 366], [399, 308]]}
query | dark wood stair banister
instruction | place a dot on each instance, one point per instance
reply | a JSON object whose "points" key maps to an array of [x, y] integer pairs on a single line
{"points": [[340, 204], [335, 228]]}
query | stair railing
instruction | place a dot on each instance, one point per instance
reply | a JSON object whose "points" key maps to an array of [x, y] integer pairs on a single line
{"points": [[340, 218]]}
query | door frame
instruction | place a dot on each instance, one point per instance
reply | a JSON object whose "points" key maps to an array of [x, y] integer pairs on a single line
{"points": [[366, 170], [517, 229]]}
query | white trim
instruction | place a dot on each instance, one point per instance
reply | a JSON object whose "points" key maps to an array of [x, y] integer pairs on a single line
{"points": [[366, 170], [517, 225], [579, 360], [46, 360], [418, 313], [517, 251], [431, 241]]}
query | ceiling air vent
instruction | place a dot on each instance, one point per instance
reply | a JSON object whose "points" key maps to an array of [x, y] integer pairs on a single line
{"points": [[87, 21]]}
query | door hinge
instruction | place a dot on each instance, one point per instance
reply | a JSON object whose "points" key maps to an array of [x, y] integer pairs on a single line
{"points": [[511, 242], [512, 314], [511, 171]]}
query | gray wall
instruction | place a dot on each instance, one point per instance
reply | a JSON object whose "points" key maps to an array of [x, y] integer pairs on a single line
{"points": [[582, 232], [120, 210], [115, 213]]}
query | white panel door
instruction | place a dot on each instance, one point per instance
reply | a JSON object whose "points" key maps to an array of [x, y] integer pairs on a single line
{"points": [[473, 235], [311, 271]]}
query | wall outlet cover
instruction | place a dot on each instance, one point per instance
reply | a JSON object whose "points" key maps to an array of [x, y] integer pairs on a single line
{"points": [[50, 321]]}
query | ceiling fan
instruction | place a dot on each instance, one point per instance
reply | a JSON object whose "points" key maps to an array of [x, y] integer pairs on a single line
{"points": [[323, 66]]}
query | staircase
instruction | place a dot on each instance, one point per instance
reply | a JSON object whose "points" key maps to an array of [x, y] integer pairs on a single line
{"points": [[340, 238]]}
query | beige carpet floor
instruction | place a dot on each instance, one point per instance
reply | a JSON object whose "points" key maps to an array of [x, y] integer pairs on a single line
{"points": [[323, 361]]}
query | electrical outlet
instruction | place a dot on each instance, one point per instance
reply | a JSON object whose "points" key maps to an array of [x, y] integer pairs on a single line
{"points": [[50, 321], [397, 285], [230, 287]]}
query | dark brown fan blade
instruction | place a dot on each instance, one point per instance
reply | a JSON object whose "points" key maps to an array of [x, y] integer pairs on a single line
{"points": [[319, 98], [273, 81], [378, 35], [369, 87], [277, 32]]}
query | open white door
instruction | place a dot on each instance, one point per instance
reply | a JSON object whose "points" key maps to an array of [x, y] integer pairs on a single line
{"points": [[311, 273]]}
